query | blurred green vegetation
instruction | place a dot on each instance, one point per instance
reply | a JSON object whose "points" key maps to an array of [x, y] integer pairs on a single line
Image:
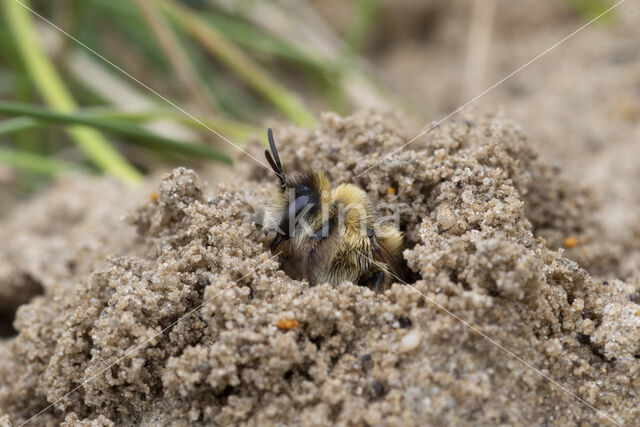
{"points": [[219, 71], [591, 9], [77, 79]]}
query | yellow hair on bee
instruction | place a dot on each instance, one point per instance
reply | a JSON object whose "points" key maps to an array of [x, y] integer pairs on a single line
{"points": [[358, 211], [330, 236], [390, 238]]}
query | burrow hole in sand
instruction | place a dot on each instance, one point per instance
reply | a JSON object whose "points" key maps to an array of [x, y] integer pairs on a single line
{"points": [[8, 308]]}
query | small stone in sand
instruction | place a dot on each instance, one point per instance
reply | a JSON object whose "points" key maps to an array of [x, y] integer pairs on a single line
{"points": [[410, 342]]}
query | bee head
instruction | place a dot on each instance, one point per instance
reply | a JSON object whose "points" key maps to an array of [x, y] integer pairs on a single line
{"points": [[300, 197]]}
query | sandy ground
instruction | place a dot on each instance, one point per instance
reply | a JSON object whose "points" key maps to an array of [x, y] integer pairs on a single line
{"points": [[475, 201], [89, 271], [579, 104]]}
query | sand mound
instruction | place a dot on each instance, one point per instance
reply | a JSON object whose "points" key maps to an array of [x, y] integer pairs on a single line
{"points": [[483, 216]]}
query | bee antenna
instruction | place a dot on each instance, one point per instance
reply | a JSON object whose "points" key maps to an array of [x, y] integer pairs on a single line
{"points": [[275, 164], [272, 144]]}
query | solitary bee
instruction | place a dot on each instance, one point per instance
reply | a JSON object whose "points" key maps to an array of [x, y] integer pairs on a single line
{"points": [[330, 235]]}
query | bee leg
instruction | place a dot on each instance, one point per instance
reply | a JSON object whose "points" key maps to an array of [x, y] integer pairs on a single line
{"points": [[376, 286], [323, 231], [277, 240], [374, 282]]}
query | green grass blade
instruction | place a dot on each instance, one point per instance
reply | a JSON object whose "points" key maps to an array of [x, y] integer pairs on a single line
{"points": [[590, 9], [17, 124], [135, 134], [364, 16], [50, 85], [8, 82], [228, 53], [35, 163], [252, 37], [238, 132], [183, 69], [97, 17]]}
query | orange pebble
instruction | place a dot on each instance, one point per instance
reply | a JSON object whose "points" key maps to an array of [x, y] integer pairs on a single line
{"points": [[288, 324], [638, 313], [391, 190], [570, 242], [154, 197]]}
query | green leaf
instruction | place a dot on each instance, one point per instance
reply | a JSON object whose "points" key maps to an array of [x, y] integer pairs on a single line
{"points": [[238, 132], [135, 134], [17, 124], [228, 53], [590, 9], [53, 90], [35, 163], [363, 18], [254, 38]]}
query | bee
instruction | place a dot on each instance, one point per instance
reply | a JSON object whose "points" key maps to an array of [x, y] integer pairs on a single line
{"points": [[330, 235]]}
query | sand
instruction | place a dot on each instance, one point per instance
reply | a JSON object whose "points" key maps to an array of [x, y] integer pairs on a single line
{"points": [[521, 219], [484, 216]]}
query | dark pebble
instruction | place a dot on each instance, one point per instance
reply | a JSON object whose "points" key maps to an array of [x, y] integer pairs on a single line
{"points": [[404, 322], [376, 389]]}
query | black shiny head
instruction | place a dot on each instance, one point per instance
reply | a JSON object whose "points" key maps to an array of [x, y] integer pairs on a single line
{"points": [[304, 201], [274, 160]]}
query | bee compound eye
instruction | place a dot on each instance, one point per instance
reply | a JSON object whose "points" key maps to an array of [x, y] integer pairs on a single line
{"points": [[300, 203], [290, 217]]}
